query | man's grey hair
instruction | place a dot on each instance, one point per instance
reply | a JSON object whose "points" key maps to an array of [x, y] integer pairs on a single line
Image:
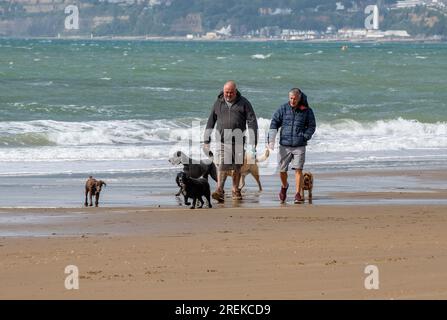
{"points": [[295, 92], [231, 82]]}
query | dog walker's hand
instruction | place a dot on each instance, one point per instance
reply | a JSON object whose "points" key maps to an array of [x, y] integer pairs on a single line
{"points": [[253, 152], [206, 148]]}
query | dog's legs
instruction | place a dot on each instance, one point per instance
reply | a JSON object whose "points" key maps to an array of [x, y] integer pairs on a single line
{"points": [[194, 200], [207, 195], [91, 198], [86, 194], [201, 202], [179, 192], [255, 173], [310, 196], [242, 182], [258, 180], [208, 198], [96, 199], [186, 201]]}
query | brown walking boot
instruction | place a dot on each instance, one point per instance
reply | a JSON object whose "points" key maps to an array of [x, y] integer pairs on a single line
{"points": [[219, 196], [237, 195]]}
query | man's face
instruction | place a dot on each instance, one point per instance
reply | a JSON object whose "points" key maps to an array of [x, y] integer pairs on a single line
{"points": [[294, 99], [229, 93]]}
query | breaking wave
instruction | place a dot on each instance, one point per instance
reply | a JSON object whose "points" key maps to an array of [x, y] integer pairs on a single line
{"points": [[46, 140]]}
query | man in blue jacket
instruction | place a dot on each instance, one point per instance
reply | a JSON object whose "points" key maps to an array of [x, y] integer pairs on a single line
{"points": [[297, 122]]}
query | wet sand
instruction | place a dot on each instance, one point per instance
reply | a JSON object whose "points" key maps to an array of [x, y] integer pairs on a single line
{"points": [[291, 252], [158, 189]]}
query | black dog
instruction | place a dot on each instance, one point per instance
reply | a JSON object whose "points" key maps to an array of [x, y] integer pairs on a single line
{"points": [[182, 190], [195, 189], [193, 168]]}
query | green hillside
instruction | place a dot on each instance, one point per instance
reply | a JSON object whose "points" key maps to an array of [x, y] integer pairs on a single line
{"points": [[181, 17]]}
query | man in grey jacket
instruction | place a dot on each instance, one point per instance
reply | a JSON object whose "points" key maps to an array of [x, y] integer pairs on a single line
{"points": [[231, 114]]}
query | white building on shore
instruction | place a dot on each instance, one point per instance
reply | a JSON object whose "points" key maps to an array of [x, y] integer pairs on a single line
{"points": [[292, 34], [346, 33], [352, 33], [408, 4]]}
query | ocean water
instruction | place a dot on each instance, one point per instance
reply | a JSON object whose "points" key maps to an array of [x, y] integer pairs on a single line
{"points": [[123, 107]]}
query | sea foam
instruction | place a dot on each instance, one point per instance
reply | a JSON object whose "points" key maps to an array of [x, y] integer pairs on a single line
{"points": [[261, 56], [47, 140], [130, 146]]}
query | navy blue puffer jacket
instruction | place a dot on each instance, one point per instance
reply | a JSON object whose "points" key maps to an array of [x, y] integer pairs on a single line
{"points": [[297, 124]]}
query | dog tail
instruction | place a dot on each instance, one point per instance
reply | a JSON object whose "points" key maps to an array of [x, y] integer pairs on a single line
{"points": [[264, 156], [213, 171]]}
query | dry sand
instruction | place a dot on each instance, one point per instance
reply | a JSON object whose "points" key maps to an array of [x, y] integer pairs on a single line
{"points": [[289, 252]]}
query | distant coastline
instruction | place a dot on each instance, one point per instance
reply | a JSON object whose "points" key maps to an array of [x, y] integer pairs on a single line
{"points": [[232, 39]]}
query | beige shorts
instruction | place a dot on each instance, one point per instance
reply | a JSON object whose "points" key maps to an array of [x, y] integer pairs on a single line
{"points": [[294, 155]]}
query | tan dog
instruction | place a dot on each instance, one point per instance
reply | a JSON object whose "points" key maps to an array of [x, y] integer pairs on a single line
{"points": [[250, 166], [93, 188], [308, 184]]}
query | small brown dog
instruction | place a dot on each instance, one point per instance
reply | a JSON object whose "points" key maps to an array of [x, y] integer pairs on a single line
{"points": [[93, 188], [308, 184]]}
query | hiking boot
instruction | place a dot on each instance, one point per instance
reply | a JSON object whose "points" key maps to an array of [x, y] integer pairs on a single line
{"points": [[283, 194], [219, 196], [298, 198], [237, 195]]}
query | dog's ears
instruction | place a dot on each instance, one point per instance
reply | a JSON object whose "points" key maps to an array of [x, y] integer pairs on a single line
{"points": [[179, 153]]}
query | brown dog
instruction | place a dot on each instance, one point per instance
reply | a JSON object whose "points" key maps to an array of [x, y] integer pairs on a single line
{"points": [[308, 184], [250, 166], [93, 188]]}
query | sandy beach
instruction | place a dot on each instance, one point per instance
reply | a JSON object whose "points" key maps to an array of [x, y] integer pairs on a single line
{"points": [[281, 252], [289, 253]]}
